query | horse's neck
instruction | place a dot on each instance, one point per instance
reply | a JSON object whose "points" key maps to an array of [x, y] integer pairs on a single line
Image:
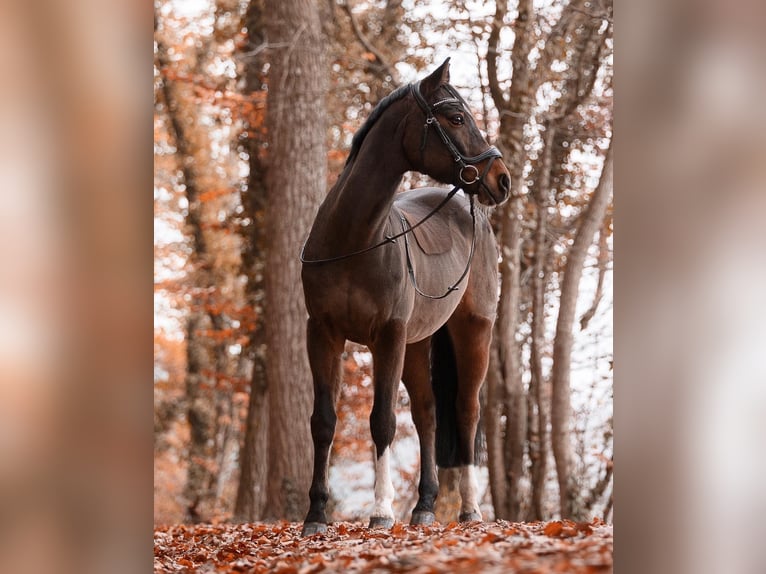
{"points": [[355, 211], [366, 196]]}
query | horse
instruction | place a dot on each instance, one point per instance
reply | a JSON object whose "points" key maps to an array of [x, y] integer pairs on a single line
{"points": [[413, 276]]}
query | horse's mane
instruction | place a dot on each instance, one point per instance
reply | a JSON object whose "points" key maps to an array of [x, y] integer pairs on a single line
{"points": [[377, 111]]}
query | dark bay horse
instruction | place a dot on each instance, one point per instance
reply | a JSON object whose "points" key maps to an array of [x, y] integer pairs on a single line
{"points": [[423, 300]]}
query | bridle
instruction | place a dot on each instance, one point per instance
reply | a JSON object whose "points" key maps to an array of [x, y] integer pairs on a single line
{"points": [[462, 161]]}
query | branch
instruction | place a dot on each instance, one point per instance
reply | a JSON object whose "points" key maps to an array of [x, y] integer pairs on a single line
{"points": [[602, 16], [603, 258], [382, 61], [561, 406], [476, 37], [501, 9], [583, 68]]}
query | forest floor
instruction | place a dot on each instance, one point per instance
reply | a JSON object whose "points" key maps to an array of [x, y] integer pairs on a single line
{"points": [[501, 546]]}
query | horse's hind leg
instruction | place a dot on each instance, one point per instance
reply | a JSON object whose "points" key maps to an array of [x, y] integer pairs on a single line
{"points": [[388, 359], [471, 335], [417, 379], [324, 350]]}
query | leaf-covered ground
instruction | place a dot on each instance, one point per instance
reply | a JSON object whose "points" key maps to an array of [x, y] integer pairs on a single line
{"points": [[559, 546]]}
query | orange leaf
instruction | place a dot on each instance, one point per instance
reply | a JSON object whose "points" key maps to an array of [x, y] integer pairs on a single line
{"points": [[553, 529]]}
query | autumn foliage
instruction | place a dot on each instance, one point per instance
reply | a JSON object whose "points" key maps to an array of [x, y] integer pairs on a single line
{"points": [[560, 546]]}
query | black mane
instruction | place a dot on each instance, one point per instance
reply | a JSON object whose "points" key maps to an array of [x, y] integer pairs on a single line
{"points": [[377, 111]]}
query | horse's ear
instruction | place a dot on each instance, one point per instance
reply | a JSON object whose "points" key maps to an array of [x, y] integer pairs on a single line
{"points": [[438, 77]]}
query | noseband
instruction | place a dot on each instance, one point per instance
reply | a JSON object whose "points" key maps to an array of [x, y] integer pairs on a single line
{"points": [[464, 162]]}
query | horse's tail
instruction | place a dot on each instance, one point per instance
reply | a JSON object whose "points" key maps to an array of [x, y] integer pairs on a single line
{"points": [[444, 383]]}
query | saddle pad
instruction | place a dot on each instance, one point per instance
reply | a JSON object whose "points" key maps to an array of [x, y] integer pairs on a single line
{"points": [[434, 236]]}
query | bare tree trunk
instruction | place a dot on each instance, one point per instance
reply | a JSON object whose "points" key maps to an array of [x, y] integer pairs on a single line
{"points": [[505, 364], [603, 260], [296, 180], [538, 387], [495, 452], [198, 490], [251, 490], [562, 346]]}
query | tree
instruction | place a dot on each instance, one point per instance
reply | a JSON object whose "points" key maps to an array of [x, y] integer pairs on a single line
{"points": [[192, 148], [505, 392], [211, 290], [562, 347], [296, 181], [251, 488], [537, 140]]}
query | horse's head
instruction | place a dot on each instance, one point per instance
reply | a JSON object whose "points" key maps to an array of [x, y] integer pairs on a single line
{"points": [[442, 140]]}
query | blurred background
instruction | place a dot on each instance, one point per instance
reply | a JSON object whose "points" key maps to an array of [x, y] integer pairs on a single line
{"points": [[79, 451]]}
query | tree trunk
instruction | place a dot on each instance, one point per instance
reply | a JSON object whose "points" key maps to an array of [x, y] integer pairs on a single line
{"points": [[251, 492], [296, 180], [505, 362], [494, 412], [562, 346], [538, 387]]}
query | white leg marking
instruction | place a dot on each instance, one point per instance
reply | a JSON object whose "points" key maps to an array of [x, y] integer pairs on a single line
{"points": [[384, 488], [469, 490]]}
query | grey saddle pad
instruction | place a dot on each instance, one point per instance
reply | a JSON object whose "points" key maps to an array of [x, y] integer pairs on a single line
{"points": [[435, 235]]}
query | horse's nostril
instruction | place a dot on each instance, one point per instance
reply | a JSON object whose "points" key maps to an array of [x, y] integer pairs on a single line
{"points": [[505, 183]]}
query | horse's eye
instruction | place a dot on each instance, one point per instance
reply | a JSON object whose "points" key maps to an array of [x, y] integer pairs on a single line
{"points": [[457, 119]]}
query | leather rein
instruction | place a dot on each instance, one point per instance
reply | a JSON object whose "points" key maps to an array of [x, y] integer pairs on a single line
{"points": [[463, 162]]}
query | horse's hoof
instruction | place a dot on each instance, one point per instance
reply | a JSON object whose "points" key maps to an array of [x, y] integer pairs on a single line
{"points": [[381, 522], [310, 528], [469, 517], [422, 518]]}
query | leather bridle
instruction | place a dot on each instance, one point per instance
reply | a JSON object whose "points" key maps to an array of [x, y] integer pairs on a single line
{"points": [[463, 162]]}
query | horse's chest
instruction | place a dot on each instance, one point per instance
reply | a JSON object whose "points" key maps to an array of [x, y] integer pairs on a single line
{"points": [[355, 303]]}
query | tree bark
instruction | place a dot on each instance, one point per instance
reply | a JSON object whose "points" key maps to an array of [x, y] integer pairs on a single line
{"points": [[562, 346], [296, 180]]}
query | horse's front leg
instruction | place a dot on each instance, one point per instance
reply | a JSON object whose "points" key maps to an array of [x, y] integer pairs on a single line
{"points": [[324, 351], [388, 360]]}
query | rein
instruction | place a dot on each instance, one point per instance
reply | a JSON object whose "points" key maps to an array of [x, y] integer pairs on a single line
{"points": [[388, 239], [463, 161], [454, 286]]}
